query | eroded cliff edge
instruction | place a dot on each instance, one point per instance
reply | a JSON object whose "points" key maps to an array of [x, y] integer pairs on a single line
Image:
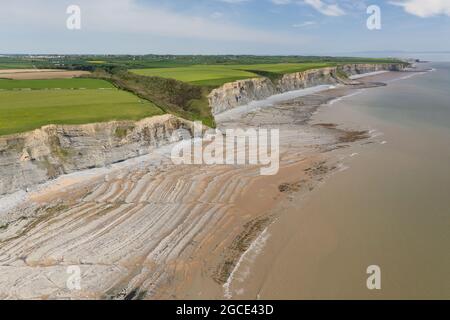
{"points": [[35, 157], [41, 155], [239, 93]]}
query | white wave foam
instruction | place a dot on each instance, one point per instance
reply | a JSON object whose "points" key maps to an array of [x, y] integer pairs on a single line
{"points": [[249, 255], [331, 102], [342, 167]]}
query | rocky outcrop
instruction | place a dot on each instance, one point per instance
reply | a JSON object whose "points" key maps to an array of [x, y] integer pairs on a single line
{"points": [[354, 69], [242, 92], [43, 154]]}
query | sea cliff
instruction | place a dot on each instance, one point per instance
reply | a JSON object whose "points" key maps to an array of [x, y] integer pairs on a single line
{"points": [[38, 156], [35, 157], [242, 92]]}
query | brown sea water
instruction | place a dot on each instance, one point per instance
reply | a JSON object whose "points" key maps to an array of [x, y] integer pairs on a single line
{"points": [[390, 208]]}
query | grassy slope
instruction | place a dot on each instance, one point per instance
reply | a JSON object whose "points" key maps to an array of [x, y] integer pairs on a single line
{"points": [[194, 74], [22, 111], [284, 68], [217, 75], [75, 83], [179, 98]]}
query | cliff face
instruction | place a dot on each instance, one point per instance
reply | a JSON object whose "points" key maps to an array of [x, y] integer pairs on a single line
{"points": [[35, 157], [43, 154], [242, 92], [354, 69]]}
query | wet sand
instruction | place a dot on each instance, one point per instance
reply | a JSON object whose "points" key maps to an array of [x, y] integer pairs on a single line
{"points": [[147, 229], [389, 208]]}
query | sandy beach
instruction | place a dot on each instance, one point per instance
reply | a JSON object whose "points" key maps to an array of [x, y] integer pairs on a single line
{"points": [[149, 229], [225, 157]]}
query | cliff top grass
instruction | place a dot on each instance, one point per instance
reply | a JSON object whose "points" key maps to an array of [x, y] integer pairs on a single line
{"points": [[74, 83], [199, 73], [217, 75], [22, 111], [157, 83]]}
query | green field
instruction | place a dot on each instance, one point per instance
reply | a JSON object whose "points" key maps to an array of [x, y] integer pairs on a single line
{"points": [[216, 75], [283, 68], [75, 83], [15, 66], [22, 111], [92, 62], [194, 74], [138, 85]]}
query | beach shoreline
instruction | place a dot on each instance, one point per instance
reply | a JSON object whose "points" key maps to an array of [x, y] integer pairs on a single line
{"points": [[214, 216], [298, 194], [322, 244]]}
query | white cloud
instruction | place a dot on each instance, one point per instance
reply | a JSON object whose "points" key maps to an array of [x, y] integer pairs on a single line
{"points": [[281, 2], [133, 17], [423, 8], [304, 24], [233, 1], [216, 15], [326, 9]]}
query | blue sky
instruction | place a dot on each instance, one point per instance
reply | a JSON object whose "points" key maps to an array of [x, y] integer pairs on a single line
{"points": [[223, 26]]}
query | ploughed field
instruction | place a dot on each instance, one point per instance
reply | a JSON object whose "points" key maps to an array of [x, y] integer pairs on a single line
{"points": [[30, 104], [216, 75]]}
